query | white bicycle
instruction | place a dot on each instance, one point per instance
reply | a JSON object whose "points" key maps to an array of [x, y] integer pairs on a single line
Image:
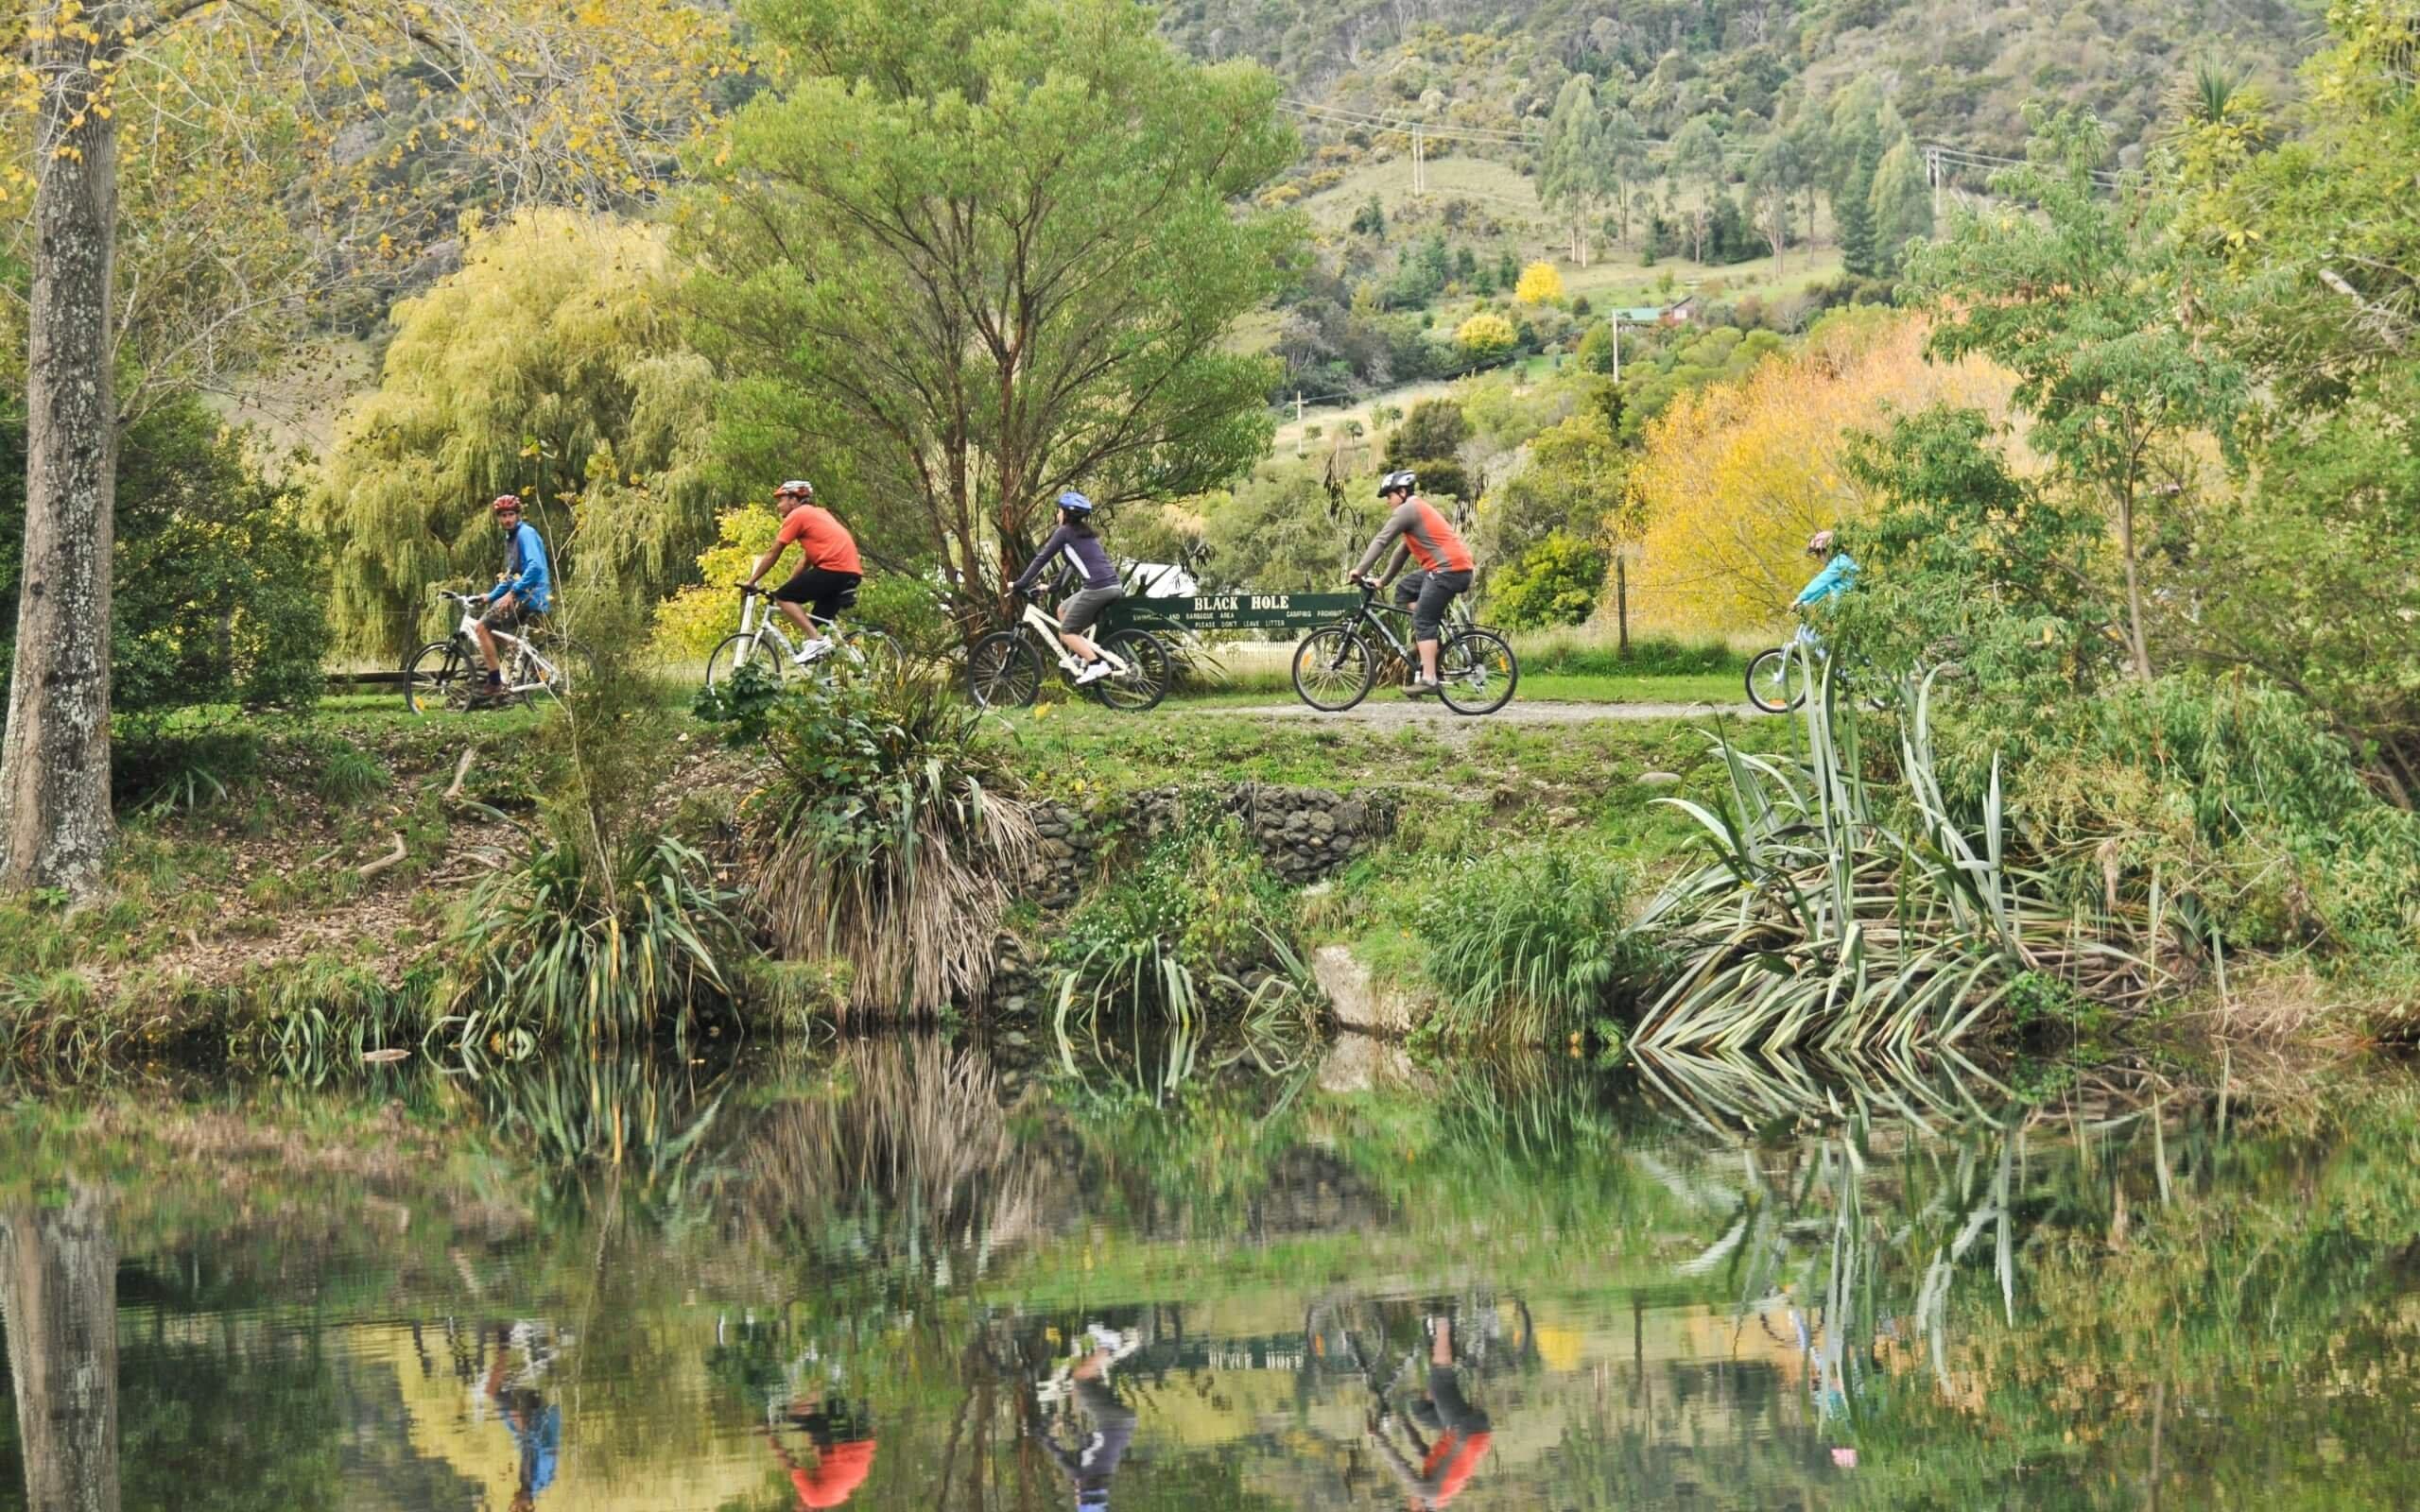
{"points": [[1005, 668], [764, 645], [451, 674]]}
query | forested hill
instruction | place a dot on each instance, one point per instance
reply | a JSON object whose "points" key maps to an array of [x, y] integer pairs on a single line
{"points": [[1957, 71]]}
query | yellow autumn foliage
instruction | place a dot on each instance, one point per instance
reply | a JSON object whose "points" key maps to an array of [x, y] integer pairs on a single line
{"points": [[1539, 284], [689, 623], [1733, 477], [1485, 337]]}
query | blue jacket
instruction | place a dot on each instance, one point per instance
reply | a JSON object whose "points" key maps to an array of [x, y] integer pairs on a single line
{"points": [[1838, 577], [525, 560]]}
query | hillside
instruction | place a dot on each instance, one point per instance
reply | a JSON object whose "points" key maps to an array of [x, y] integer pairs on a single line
{"points": [[1960, 71]]}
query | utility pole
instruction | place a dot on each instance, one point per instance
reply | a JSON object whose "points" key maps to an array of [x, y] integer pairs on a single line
{"points": [[1932, 176], [1298, 422], [1622, 596], [1418, 163]]}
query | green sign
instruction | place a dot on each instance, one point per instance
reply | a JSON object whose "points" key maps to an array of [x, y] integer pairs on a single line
{"points": [[1292, 612]]}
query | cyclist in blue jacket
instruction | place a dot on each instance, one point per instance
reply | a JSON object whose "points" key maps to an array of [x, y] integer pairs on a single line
{"points": [[523, 592]]}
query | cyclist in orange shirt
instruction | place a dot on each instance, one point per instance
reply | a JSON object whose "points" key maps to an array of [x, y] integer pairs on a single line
{"points": [[827, 579], [1463, 1432], [1446, 566]]}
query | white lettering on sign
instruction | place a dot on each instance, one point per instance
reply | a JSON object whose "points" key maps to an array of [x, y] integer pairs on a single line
{"points": [[1212, 606], [1270, 601]]}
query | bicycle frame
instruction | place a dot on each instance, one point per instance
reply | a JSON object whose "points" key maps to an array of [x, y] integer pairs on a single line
{"points": [[468, 633], [767, 624], [1043, 624]]}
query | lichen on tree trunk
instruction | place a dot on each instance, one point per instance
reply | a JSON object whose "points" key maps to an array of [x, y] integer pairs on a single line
{"points": [[55, 760]]}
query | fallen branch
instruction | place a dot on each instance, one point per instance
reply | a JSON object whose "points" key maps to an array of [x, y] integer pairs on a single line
{"points": [[391, 859], [461, 771]]}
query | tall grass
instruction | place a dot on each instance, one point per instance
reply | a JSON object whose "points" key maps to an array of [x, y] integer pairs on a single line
{"points": [[1526, 946], [1849, 918], [888, 837]]}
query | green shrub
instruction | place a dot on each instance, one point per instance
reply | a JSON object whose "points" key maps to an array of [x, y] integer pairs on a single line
{"points": [[888, 837], [348, 774], [1555, 582], [163, 769], [741, 705], [1525, 946], [908, 608]]}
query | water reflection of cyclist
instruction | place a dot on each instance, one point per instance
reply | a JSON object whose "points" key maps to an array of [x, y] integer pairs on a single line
{"points": [[1090, 1466], [843, 1452], [1463, 1432], [535, 1423]]}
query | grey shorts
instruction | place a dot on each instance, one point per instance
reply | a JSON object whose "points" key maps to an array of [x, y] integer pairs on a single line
{"points": [[1082, 610], [1428, 594]]}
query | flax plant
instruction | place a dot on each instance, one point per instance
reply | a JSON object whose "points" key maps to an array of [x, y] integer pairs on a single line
{"points": [[1854, 917]]}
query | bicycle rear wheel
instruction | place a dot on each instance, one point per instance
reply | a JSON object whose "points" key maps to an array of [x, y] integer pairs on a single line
{"points": [[436, 677], [1002, 672], [745, 651], [1776, 684], [1333, 669], [1476, 672], [1146, 680], [871, 654]]}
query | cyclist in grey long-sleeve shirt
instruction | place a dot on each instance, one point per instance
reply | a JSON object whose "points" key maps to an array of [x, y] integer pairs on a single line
{"points": [[1079, 540], [1446, 565]]}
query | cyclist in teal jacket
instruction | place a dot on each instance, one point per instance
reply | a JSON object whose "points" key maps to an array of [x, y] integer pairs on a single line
{"points": [[1838, 577]]}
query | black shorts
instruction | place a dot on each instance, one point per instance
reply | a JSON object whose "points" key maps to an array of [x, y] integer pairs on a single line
{"points": [[824, 593], [1428, 594], [1082, 609]]}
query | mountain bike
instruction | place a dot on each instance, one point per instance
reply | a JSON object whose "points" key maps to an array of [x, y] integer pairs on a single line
{"points": [[451, 674], [765, 645], [1335, 666], [1005, 668], [1778, 680]]}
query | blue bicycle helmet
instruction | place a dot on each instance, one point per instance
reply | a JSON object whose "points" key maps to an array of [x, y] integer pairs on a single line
{"points": [[1075, 502]]}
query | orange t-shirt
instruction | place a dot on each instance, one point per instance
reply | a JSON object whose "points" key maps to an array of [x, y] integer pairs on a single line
{"points": [[1464, 1459], [825, 541], [1437, 544], [839, 1471]]}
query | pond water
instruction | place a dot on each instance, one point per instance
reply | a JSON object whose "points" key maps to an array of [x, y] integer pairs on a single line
{"points": [[895, 1275]]}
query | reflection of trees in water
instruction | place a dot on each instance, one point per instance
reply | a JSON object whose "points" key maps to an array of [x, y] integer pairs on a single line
{"points": [[909, 1147], [59, 1303]]}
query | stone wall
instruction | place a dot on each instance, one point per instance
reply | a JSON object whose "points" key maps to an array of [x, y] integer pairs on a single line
{"points": [[1305, 833]]}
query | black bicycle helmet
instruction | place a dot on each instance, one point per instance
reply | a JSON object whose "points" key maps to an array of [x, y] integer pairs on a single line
{"points": [[1401, 479]]}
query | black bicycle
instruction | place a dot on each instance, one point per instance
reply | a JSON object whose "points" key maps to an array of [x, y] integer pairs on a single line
{"points": [[1335, 666]]}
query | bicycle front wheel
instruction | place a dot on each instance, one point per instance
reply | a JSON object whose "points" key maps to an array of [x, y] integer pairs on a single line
{"points": [[1476, 672], [1776, 683], [436, 677], [1333, 669], [745, 651], [1002, 672], [1144, 682]]}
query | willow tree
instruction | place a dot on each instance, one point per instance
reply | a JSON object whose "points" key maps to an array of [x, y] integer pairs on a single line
{"points": [[377, 118], [550, 365], [991, 250]]}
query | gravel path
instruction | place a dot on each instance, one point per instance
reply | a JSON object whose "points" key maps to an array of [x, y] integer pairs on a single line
{"points": [[1391, 710]]}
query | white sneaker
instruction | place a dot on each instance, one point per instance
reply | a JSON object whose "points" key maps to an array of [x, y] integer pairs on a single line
{"points": [[1093, 674], [815, 650]]}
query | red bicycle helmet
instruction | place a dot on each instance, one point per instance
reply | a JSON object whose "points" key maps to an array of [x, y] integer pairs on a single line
{"points": [[506, 501]]}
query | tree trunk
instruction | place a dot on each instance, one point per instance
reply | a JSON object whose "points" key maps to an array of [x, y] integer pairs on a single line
{"points": [[2137, 648], [55, 763], [59, 1299]]}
